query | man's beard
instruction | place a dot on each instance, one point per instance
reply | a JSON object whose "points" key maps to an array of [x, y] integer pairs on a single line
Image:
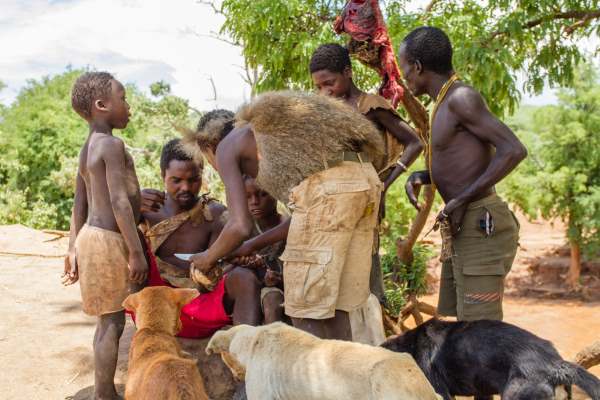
{"points": [[186, 199]]}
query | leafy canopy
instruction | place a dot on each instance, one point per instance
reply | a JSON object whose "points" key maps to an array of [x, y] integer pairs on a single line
{"points": [[494, 40]]}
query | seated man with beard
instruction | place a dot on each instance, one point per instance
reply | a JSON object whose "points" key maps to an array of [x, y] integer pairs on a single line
{"points": [[181, 221]]}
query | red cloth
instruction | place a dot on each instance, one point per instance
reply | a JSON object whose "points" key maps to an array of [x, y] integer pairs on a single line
{"points": [[363, 21], [204, 315]]}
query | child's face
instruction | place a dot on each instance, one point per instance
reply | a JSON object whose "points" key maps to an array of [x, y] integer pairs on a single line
{"points": [[182, 181], [117, 106], [335, 84], [260, 203]]}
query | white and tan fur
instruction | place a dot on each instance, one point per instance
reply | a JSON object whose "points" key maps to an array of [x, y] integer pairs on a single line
{"points": [[157, 368], [281, 362]]}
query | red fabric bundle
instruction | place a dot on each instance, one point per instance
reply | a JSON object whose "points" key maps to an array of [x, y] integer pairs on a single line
{"points": [[370, 43]]}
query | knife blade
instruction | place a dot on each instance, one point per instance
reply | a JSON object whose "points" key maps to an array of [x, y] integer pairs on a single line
{"points": [[183, 256]]}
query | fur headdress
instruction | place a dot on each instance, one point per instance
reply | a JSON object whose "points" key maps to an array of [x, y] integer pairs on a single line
{"points": [[297, 134]]}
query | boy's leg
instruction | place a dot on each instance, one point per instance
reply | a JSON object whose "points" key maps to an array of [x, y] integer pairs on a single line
{"points": [[242, 297], [337, 327], [272, 303], [106, 351]]}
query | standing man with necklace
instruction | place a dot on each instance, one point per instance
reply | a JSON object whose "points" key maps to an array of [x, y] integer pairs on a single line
{"points": [[470, 151]]}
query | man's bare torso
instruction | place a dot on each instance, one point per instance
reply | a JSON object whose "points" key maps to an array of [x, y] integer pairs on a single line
{"points": [[190, 237], [458, 156], [93, 171]]}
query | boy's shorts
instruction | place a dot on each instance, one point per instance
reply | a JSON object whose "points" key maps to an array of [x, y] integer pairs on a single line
{"points": [[102, 260], [327, 258], [472, 280]]}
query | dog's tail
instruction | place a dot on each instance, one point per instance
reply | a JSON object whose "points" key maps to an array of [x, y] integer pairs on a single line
{"points": [[572, 374]]}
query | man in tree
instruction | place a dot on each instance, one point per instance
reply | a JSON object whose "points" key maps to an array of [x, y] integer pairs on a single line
{"points": [[314, 154], [470, 151], [331, 73]]}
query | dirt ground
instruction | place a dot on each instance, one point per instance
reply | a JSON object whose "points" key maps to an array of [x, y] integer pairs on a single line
{"points": [[45, 339]]}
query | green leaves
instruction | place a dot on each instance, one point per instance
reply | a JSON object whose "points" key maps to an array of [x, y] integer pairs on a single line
{"points": [[493, 40], [562, 173], [40, 138]]}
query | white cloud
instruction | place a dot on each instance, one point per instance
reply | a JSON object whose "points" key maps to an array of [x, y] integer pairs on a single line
{"points": [[141, 41]]}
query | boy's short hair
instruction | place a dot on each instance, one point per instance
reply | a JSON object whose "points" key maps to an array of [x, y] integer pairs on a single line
{"points": [[431, 46], [330, 56], [172, 151], [89, 87], [214, 126]]}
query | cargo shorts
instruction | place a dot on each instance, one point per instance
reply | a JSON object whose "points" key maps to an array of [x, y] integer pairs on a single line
{"points": [[327, 258], [472, 279]]}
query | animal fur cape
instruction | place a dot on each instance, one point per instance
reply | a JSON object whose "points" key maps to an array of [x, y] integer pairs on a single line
{"points": [[299, 134]]}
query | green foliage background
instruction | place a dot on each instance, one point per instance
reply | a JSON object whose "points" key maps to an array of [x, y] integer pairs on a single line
{"points": [[40, 139], [493, 40], [561, 176]]}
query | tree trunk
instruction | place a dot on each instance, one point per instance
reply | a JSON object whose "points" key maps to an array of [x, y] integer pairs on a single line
{"points": [[575, 266], [404, 246]]}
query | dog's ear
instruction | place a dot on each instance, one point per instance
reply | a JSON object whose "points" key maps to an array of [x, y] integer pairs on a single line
{"points": [[131, 302], [220, 341], [184, 296]]}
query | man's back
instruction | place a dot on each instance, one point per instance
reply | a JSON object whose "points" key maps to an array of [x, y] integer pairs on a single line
{"points": [[93, 169]]}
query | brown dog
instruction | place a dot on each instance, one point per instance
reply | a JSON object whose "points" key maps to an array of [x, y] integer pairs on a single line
{"points": [[157, 368]]}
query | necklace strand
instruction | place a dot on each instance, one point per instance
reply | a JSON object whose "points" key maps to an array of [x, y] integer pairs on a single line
{"points": [[440, 97]]}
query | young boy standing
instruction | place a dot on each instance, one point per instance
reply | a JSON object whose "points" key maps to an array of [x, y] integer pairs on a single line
{"points": [[105, 250], [331, 72]]}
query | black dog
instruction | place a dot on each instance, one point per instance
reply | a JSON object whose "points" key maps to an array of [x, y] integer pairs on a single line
{"points": [[483, 358]]}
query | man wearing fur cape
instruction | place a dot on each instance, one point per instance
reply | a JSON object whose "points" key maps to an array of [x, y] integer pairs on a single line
{"points": [[313, 153]]}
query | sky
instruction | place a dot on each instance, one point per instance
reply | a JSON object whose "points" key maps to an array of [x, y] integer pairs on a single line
{"points": [[140, 41]]}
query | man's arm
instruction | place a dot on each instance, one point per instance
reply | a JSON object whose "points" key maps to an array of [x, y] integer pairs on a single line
{"points": [[404, 134], [78, 218], [469, 108], [276, 234], [216, 227], [239, 224], [116, 175]]}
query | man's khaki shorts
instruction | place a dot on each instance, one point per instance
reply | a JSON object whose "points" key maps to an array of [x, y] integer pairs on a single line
{"points": [[472, 280], [327, 259]]}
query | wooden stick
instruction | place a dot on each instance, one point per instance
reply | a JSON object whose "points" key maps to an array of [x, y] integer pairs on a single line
{"points": [[10, 253]]}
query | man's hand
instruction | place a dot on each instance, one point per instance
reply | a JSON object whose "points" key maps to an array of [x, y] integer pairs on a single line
{"points": [[70, 274], [138, 268], [152, 200], [200, 262], [413, 186], [245, 250], [272, 278], [253, 261], [454, 212]]}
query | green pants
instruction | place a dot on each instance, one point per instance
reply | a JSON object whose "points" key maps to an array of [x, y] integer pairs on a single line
{"points": [[472, 280]]}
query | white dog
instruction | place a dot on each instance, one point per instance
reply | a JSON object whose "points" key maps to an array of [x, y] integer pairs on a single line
{"points": [[284, 363]]}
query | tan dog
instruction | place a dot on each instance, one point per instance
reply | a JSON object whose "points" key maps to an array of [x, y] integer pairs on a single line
{"points": [[284, 363], [157, 368]]}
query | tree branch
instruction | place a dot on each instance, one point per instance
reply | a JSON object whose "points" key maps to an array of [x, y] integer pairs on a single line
{"points": [[583, 16], [212, 5]]}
